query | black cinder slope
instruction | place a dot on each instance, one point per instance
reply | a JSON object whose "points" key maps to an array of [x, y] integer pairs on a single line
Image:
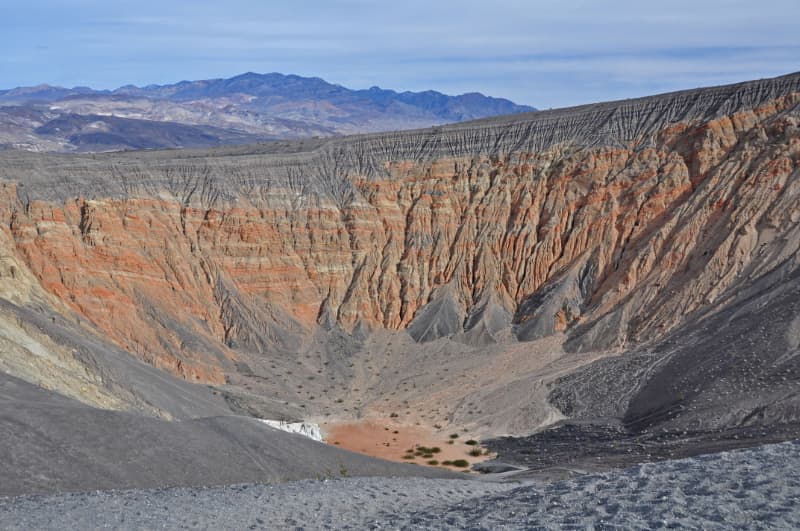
{"points": [[49, 444]]}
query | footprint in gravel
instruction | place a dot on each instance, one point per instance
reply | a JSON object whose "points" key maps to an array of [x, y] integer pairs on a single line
{"points": [[611, 508]]}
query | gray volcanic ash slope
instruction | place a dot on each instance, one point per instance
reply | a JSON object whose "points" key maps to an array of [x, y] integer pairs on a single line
{"points": [[54, 444], [746, 489], [625, 274], [728, 378]]}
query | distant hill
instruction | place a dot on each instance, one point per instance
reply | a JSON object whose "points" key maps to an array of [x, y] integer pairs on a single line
{"points": [[246, 108]]}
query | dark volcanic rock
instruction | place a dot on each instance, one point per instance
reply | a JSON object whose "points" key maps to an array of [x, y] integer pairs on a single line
{"points": [[109, 133]]}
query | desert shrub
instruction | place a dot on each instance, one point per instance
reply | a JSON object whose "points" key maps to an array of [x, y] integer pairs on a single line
{"points": [[475, 452], [427, 451], [454, 436], [461, 463], [433, 462], [471, 442], [447, 463]]}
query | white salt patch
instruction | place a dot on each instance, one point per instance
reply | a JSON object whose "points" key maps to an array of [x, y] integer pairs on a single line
{"points": [[307, 429]]}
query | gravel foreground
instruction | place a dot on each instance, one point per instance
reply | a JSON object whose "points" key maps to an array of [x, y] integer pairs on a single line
{"points": [[757, 488]]}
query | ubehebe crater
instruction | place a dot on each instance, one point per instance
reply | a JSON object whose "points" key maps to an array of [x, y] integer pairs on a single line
{"points": [[626, 274]]}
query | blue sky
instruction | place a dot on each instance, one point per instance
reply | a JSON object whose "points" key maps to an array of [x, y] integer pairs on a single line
{"points": [[543, 53]]}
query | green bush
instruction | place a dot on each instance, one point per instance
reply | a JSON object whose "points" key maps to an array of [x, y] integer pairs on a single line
{"points": [[433, 462], [461, 463], [471, 442], [475, 452]]}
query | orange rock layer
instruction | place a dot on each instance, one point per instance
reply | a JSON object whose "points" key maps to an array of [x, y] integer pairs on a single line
{"points": [[664, 228]]}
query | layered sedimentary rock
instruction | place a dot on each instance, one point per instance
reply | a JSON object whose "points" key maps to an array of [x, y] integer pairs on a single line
{"points": [[608, 222]]}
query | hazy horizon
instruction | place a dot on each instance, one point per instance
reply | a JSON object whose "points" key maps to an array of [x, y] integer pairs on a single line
{"points": [[535, 53]]}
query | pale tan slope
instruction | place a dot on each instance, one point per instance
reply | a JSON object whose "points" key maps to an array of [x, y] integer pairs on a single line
{"points": [[44, 342], [31, 355]]}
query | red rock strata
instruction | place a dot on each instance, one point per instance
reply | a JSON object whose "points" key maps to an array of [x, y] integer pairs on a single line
{"points": [[649, 231]]}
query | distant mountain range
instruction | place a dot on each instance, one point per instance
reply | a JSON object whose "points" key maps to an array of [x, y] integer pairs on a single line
{"points": [[243, 109]]}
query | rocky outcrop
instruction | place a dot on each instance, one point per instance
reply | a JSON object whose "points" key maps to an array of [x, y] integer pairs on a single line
{"points": [[608, 222]]}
